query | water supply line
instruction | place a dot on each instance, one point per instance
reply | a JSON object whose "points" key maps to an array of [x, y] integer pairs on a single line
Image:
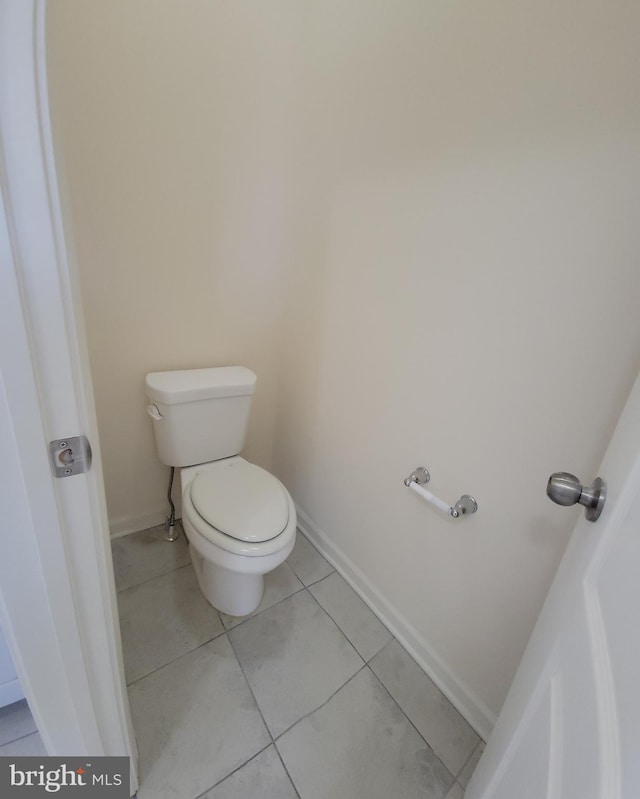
{"points": [[172, 534]]}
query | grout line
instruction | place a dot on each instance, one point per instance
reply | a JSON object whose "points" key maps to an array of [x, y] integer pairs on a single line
{"points": [[284, 766], [315, 582], [155, 577], [157, 537], [384, 646], [453, 776], [253, 757], [19, 738], [319, 554], [311, 712], [6, 712], [264, 721], [377, 652], [173, 660], [350, 642], [214, 637], [322, 579], [255, 614]]}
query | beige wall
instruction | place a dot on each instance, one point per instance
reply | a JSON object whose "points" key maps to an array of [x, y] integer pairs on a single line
{"points": [[173, 123], [474, 247], [418, 223]]}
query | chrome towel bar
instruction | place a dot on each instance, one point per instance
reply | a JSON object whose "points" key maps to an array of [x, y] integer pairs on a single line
{"points": [[463, 507]]}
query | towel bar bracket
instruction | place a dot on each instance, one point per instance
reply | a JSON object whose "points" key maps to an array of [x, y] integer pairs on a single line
{"points": [[465, 505], [420, 476]]}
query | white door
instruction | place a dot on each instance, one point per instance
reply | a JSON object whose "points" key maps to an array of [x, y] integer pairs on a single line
{"points": [[570, 726], [57, 596]]}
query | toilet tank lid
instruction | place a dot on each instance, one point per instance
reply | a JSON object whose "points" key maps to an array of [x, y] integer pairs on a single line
{"points": [[189, 385]]}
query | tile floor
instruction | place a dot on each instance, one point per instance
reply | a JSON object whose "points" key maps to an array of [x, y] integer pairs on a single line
{"points": [[18, 732], [309, 697]]}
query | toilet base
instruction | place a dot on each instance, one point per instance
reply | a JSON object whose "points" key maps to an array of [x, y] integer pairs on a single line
{"points": [[230, 592]]}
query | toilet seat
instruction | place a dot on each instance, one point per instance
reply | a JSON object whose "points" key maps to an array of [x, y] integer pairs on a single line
{"points": [[243, 501], [208, 534]]}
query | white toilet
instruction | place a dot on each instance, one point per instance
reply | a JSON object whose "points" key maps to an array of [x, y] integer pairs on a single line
{"points": [[239, 519]]}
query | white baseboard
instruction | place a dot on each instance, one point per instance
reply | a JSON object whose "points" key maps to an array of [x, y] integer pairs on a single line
{"points": [[470, 707], [131, 524]]}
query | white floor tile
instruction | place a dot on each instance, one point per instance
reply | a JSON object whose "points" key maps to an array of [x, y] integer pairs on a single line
{"points": [[163, 619], [365, 631], [361, 746], [195, 723], [263, 777], [196, 719], [16, 721], [294, 657], [141, 556], [307, 562], [30, 745], [278, 585], [448, 734]]}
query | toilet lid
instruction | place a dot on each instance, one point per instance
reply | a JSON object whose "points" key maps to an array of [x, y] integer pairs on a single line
{"points": [[242, 501]]}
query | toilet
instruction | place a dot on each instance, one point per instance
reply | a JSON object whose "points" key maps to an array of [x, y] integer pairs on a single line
{"points": [[239, 519]]}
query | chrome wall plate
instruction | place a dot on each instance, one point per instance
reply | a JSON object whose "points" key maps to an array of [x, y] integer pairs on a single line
{"points": [[70, 456], [465, 505], [420, 476]]}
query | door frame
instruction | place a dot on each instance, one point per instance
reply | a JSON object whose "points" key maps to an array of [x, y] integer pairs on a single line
{"points": [[58, 603]]}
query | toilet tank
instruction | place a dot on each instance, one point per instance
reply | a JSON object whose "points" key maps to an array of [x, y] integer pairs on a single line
{"points": [[200, 415]]}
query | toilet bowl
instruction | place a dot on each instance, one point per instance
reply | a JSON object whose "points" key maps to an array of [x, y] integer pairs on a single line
{"points": [[258, 521], [239, 519]]}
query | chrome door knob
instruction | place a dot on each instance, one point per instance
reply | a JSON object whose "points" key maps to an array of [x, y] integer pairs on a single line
{"points": [[565, 489]]}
